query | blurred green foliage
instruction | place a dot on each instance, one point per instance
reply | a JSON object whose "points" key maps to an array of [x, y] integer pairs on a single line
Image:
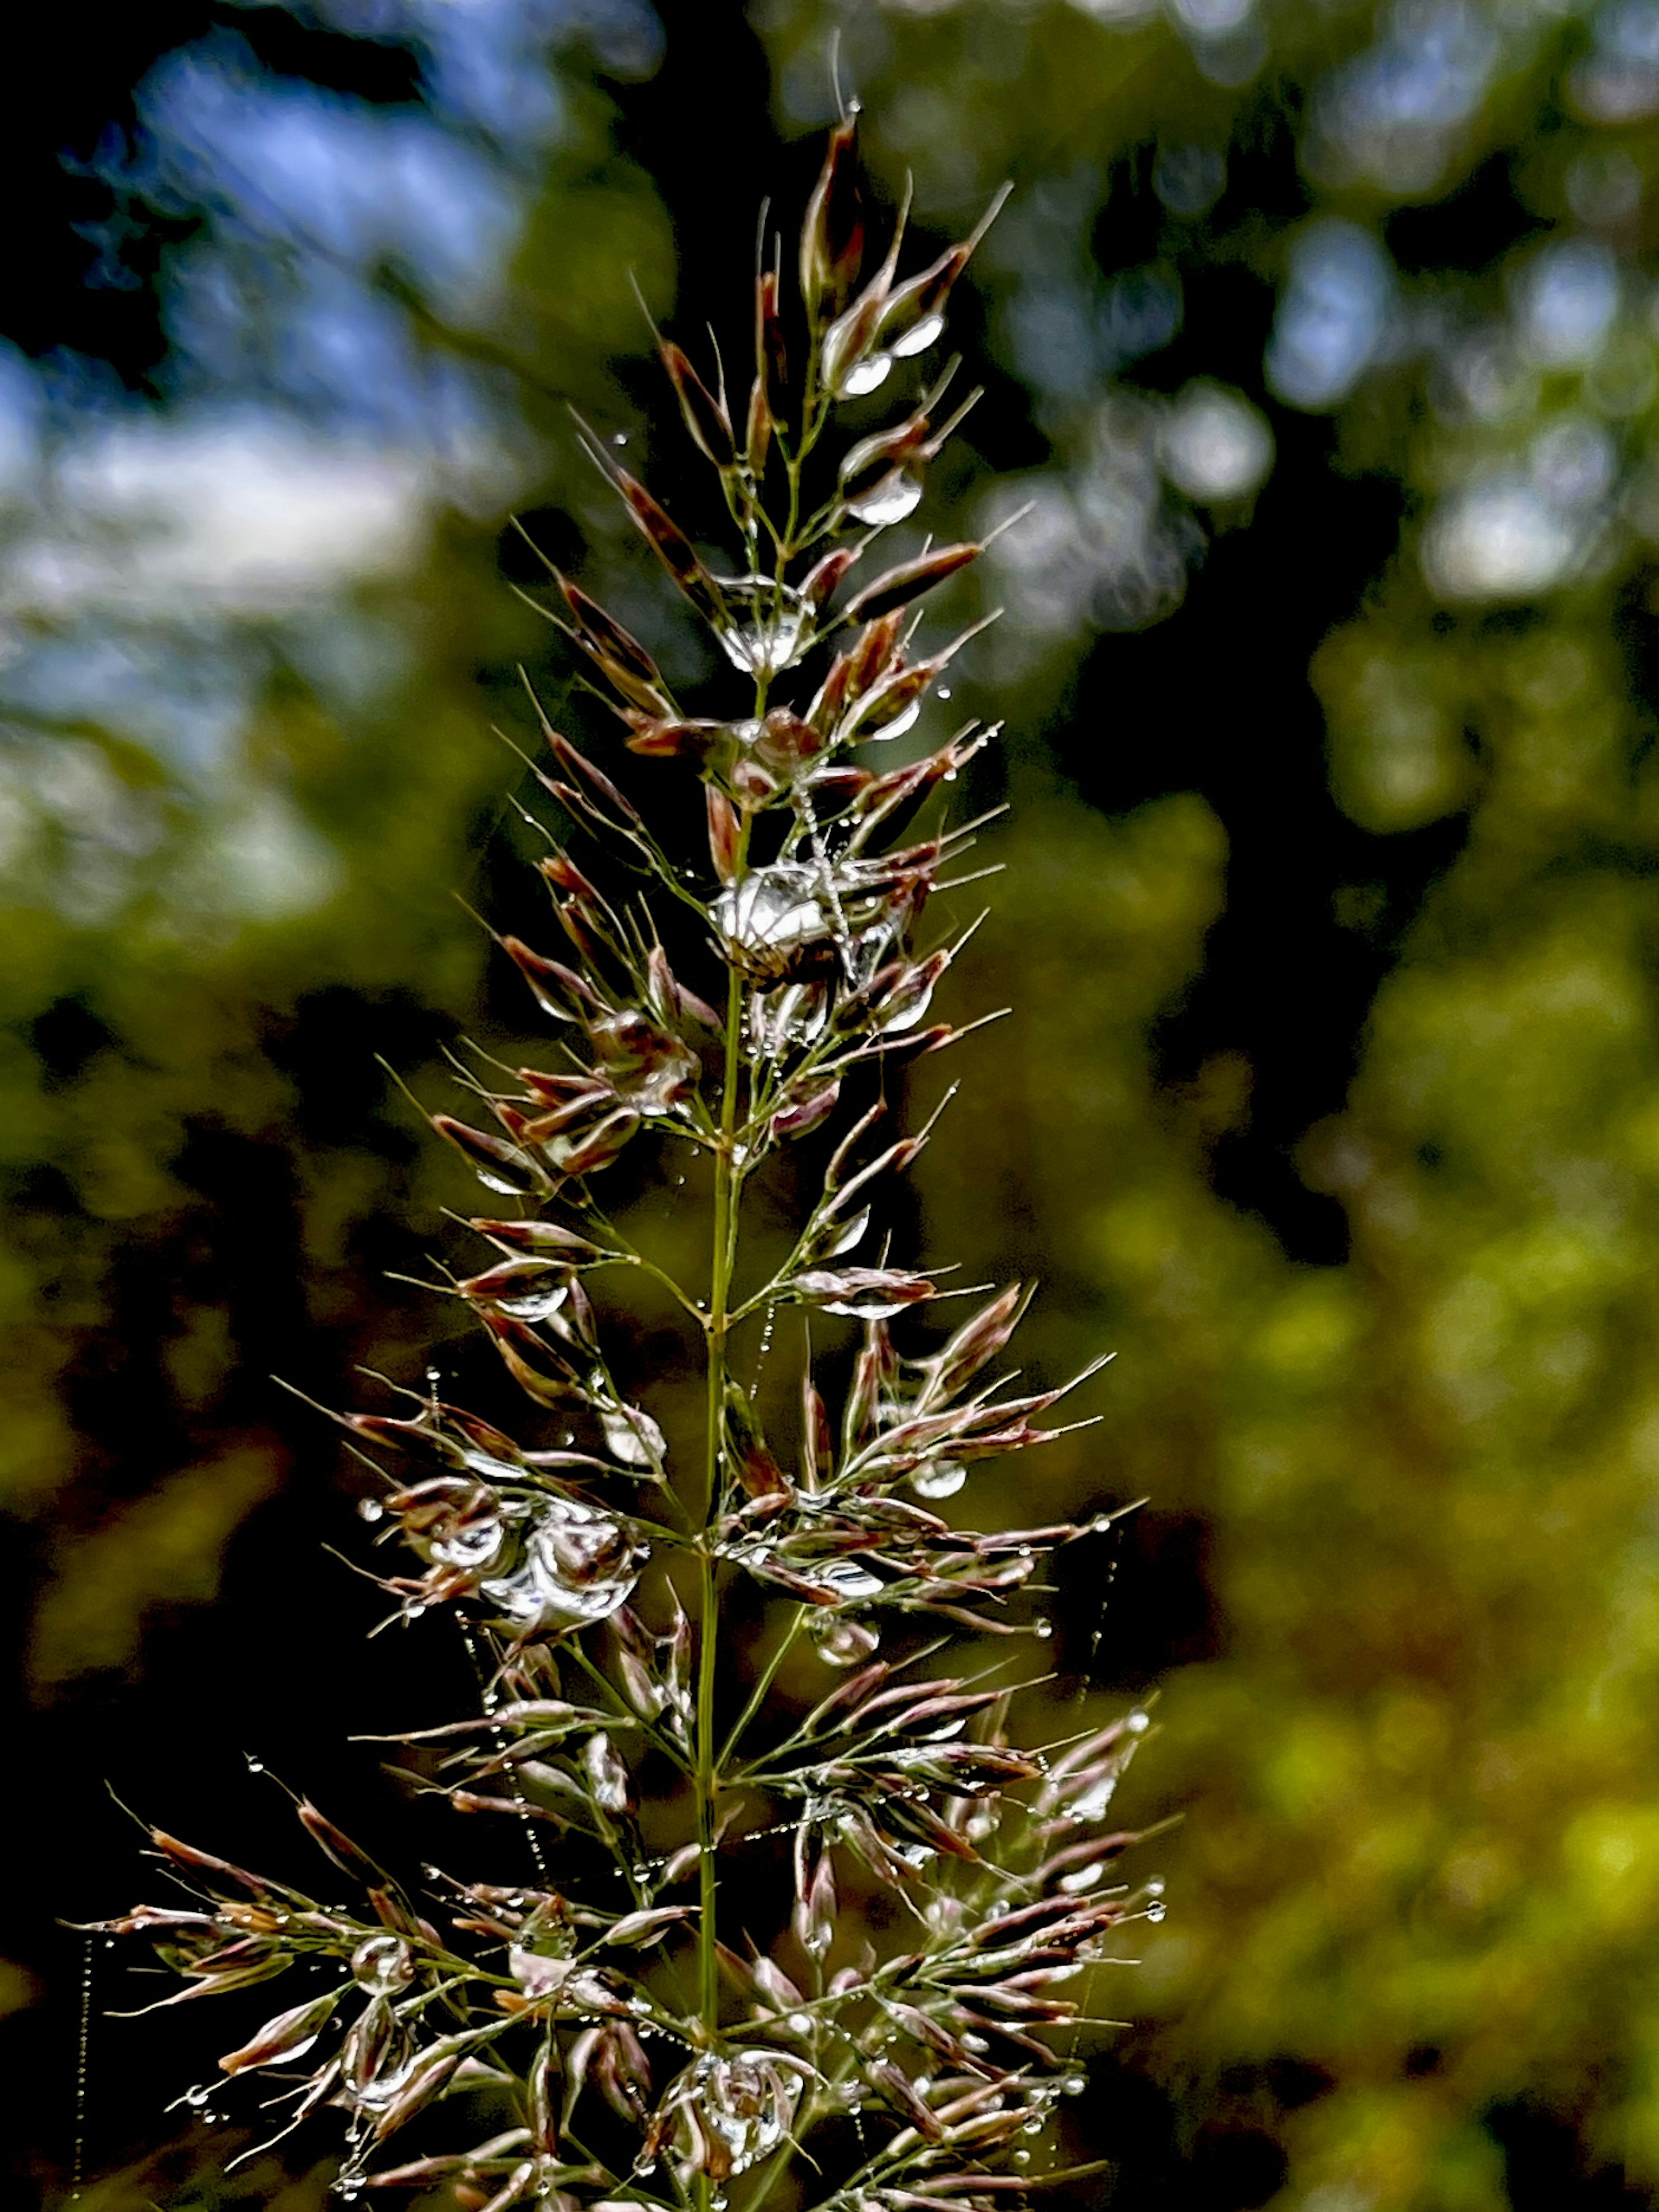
{"points": [[1405, 1607]]}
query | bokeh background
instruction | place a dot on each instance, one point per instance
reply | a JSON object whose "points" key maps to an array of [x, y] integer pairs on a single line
{"points": [[1320, 343]]}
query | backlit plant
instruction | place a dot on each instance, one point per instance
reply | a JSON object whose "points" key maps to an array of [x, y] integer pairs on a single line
{"points": [[641, 2017]]}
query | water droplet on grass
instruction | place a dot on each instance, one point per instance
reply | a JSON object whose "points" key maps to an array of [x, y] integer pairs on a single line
{"points": [[865, 376], [890, 499], [770, 630], [382, 1965], [942, 1480]]}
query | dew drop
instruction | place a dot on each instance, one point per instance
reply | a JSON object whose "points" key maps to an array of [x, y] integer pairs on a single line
{"points": [[1138, 1724], [919, 336], [381, 1965], [1023, 2157], [938, 1478], [1156, 1909], [891, 498], [414, 1610], [1042, 1630], [1074, 2085], [865, 376], [370, 1508], [1033, 2127], [254, 1765], [619, 438], [83, 2062]]}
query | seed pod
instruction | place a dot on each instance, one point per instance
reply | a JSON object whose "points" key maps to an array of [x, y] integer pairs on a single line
{"points": [[623, 2071], [825, 710], [851, 366], [673, 1003], [868, 1293], [568, 1101], [661, 738], [893, 705], [746, 1449], [541, 2093], [674, 550], [497, 1164], [533, 1365], [873, 654], [578, 765], [706, 418], [815, 1902], [854, 673], [975, 1343], [234, 1958], [289, 2035], [531, 1289], [832, 236], [598, 1147], [866, 463], [724, 834], [428, 2082], [338, 1845], [757, 435], [915, 313], [914, 317], [802, 1110], [817, 1449], [898, 586], [608, 1778], [186, 1855], [873, 1371], [895, 2085], [818, 586], [538, 1237], [559, 991], [615, 652], [646, 1927]]}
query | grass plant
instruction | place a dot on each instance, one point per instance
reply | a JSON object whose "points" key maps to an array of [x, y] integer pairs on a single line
{"points": [[647, 2017]]}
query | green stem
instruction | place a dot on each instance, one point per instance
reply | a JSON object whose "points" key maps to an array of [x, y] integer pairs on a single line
{"points": [[724, 1243]]}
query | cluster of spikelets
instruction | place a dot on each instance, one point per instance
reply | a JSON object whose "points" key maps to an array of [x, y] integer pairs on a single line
{"points": [[643, 2022]]}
